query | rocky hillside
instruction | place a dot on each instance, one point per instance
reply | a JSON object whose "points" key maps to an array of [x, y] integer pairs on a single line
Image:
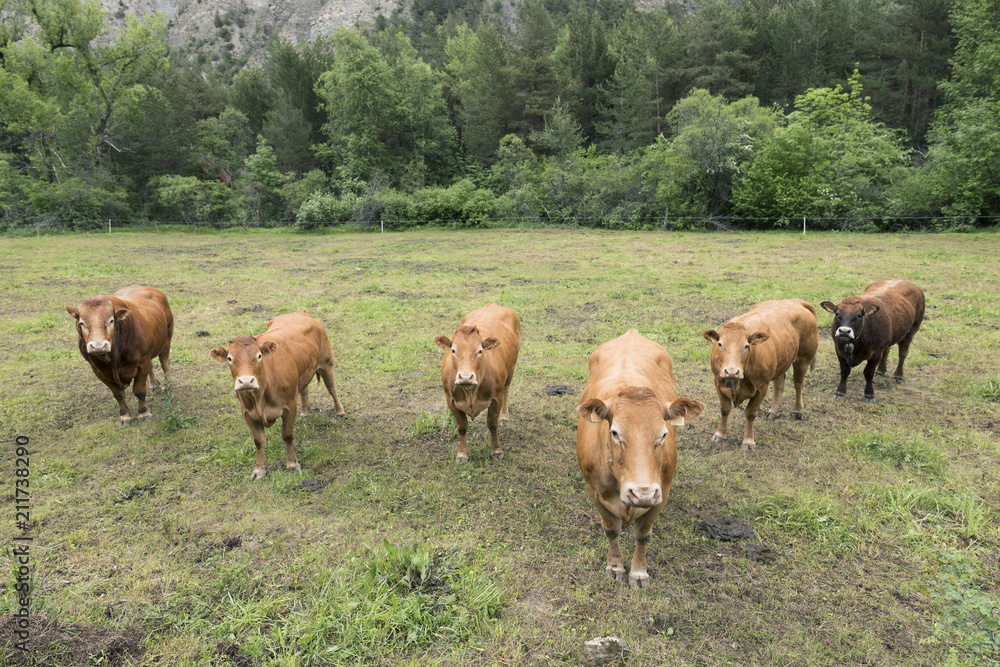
{"points": [[231, 30]]}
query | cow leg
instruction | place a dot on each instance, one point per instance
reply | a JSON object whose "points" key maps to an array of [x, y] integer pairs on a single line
{"points": [[779, 392], [869, 376], [504, 413], [799, 370], [151, 378], [725, 407], [749, 444], [845, 370], [612, 528], [139, 388], [258, 433], [304, 400], [904, 349], [124, 414], [326, 374], [462, 422], [880, 371], [493, 421], [287, 425], [643, 527]]}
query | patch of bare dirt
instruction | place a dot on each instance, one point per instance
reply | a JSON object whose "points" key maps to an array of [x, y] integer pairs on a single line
{"points": [[53, 643]]}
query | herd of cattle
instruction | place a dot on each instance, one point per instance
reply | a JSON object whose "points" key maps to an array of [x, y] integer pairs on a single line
{"points": [[628, 412]]}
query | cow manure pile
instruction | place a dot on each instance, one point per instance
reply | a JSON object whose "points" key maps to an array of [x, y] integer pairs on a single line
{"points": [[732, 529]]}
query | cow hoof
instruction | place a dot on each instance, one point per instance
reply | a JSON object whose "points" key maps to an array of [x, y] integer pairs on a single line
{"points": [[838, 397], [258, 473], [294, 466], [897, 379], [797, 416], [461, 459], [615, 574], [869, 399], [143, 416], [342, 415], [881, 374], [638, 581], [771, 415], [716, 438], [496, 457], [749, 446], [124, 421], [504, 418]]}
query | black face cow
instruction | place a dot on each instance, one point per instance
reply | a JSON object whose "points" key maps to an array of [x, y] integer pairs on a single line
{"points": [[888, 313]]}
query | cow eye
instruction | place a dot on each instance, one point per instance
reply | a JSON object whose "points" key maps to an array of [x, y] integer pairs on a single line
{"points": [[229, 358], [454, 351], [480, 353], [614, 434], [259, 355]]}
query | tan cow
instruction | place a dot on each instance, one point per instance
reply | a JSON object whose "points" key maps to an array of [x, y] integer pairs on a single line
{"points": [[628, 418], [755, 349], [477, 370], [271, 369], [119, 335]]}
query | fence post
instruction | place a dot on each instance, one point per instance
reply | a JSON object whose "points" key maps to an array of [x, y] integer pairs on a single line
{"points": [[383, 225], [803, 225], [109, 225]]}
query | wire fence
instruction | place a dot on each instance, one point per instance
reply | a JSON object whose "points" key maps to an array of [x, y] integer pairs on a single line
{"points": [[672, 223]]}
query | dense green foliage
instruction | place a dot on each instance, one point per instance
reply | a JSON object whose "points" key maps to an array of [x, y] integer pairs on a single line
{"points": [[859, 114]]}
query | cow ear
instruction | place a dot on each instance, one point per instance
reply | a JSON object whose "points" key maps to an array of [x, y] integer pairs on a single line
{"points": [[711, 335], [268, 347], [491, 343], [219, 354], [871, 309], [122, 314], [683, 409], [757, 337], [828, 306], [594, 410], [73, 311], [443, 342]]}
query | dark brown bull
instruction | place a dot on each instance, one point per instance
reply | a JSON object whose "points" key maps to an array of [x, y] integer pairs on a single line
{"points": [[271, 369], [757, 348], [625, 441], [477, 370], [119, 335], [864, 327]]}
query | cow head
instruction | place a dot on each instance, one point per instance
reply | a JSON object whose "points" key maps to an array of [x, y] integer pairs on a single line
{"points": [[98, 323], [639, 442], [246, 360], [730, 349], [849, 317], [467, 348]]}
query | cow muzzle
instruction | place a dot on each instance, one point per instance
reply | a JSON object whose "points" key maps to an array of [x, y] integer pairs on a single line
{"points": [[635, 495], [845, 333], [99, 347], [466, 379], [731, 374], [246, 383]]}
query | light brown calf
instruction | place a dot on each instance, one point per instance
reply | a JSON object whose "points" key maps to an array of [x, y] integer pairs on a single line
{"points": [[477, 369], [270, 370], [628, 417], [755, 349], [119, 335]]}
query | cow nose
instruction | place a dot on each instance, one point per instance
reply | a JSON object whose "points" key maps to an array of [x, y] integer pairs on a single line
{"points": [[246, 383], [466, 378], [732, 373], [99, 347], [845, 332], [641, 496]]}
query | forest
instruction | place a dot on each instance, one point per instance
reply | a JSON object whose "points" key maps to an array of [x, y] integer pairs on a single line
{"points": [[859, 115]]}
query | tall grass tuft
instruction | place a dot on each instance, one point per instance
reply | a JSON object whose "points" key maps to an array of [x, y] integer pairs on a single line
{"points": [[403, 599], [899, 451], [990, 390]]}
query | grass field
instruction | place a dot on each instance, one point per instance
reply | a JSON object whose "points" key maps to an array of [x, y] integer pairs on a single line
{"points": [[151, 547]]}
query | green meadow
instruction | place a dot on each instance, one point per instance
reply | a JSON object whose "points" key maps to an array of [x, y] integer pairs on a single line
{"points": [[149, 546]]}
